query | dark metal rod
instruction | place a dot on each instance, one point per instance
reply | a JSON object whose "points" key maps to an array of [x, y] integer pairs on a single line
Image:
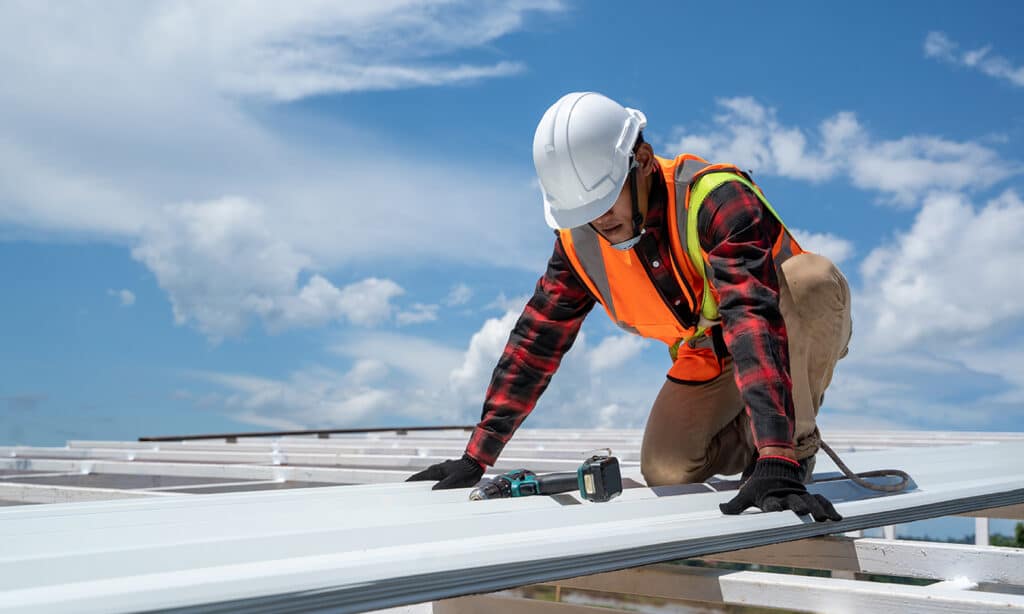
{"points": [[322, 433]]}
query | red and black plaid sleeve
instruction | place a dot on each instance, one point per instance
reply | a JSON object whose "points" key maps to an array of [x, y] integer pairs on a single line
{"points": [[737, 232], [542, 335]]}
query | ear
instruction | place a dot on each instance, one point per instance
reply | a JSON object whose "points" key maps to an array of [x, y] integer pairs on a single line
{"points": [[645, 159]]}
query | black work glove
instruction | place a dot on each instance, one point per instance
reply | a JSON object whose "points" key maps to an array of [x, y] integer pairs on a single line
{"points": [[776, 485], [457, 473]]}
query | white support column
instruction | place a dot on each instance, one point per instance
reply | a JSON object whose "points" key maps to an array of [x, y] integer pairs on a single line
{"points": [[981, 531], [889, 531]]}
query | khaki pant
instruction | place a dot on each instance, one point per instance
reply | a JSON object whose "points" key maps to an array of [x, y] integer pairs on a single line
{"points": [[694, 432]]}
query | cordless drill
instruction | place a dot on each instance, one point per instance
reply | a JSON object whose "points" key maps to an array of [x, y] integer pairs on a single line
{"points": [[597, 479]]}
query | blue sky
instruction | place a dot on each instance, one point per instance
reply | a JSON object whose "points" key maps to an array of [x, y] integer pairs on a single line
{"points": [[224, 217]]}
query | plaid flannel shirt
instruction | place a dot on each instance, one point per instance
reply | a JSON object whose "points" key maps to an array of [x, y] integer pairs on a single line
{"points": [[737, 233]]}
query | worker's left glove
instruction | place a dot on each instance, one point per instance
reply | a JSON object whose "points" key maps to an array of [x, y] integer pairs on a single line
{"points": [[776, 485]]}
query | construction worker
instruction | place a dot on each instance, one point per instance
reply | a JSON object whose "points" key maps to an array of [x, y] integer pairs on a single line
{"points": [[692, 254]]}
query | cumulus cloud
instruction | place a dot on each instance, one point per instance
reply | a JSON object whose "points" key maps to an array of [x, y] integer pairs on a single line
{"points": [[948, 278], [937, 332], [835, 248], [750, 135], [163, 130], [612, 384], [392, 377], [127, 297], [936, 345], [922, 389], [615, 351], [402, 378], [485, 346], [313, 398], [939, 46], [221, 265], [505, 303]]}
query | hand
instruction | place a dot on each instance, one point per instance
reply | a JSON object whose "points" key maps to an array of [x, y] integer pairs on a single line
{"points": [[776, 485], [457, 473]]}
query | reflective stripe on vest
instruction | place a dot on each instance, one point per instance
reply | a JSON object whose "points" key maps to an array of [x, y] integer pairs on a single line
{"points": [[688, 209], [588, 251]]}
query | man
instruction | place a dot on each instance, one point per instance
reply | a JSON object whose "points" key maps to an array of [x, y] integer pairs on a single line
{"points": [[691, 254]]}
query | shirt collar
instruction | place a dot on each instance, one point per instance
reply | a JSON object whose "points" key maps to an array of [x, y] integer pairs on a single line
{"points": [[657, 201]]}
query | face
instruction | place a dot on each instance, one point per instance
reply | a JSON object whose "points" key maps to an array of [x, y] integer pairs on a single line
{"points": [[616, 224]]}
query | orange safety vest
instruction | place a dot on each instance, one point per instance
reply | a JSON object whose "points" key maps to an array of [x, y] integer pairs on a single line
{"points": [[618, 280]]}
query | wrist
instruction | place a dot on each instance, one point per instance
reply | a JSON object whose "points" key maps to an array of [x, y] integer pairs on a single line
{"points": [[777, 452], [778, 467], [483, 466]]}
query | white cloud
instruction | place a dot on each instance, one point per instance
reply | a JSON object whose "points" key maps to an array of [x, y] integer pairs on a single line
{"points": [[900, 389], [505, 303], [459, 295], [127, 297], [615, 351], [612, 384], [313, 398], [936, 345], [403, 378], [937, 335], [835, 248], [366, 302], [417, 313], [424, 364], [751, 136], [472, 376], [392, 378], [221, 265], [948, 279], [939, 46], [163, 128], [911, 166], [305, 49]]}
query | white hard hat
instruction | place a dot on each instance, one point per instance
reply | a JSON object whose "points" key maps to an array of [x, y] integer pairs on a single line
{"points": [[582, 151]]}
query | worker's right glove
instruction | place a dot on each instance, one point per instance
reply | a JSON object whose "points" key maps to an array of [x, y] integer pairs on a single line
{"points": [[776, 485], [457, 473]]}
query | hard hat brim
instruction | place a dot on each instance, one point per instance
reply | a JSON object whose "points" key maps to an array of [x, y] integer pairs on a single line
{"points": [[563, 219]]}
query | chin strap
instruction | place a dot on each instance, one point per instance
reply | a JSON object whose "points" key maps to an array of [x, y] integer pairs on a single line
{"points": [[638, 219]]}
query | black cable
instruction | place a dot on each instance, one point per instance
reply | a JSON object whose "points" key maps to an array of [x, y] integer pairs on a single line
{"points": [[857, 478]]}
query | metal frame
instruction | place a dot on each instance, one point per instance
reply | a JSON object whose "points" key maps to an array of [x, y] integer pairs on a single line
{"points": [[321, 433]]}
